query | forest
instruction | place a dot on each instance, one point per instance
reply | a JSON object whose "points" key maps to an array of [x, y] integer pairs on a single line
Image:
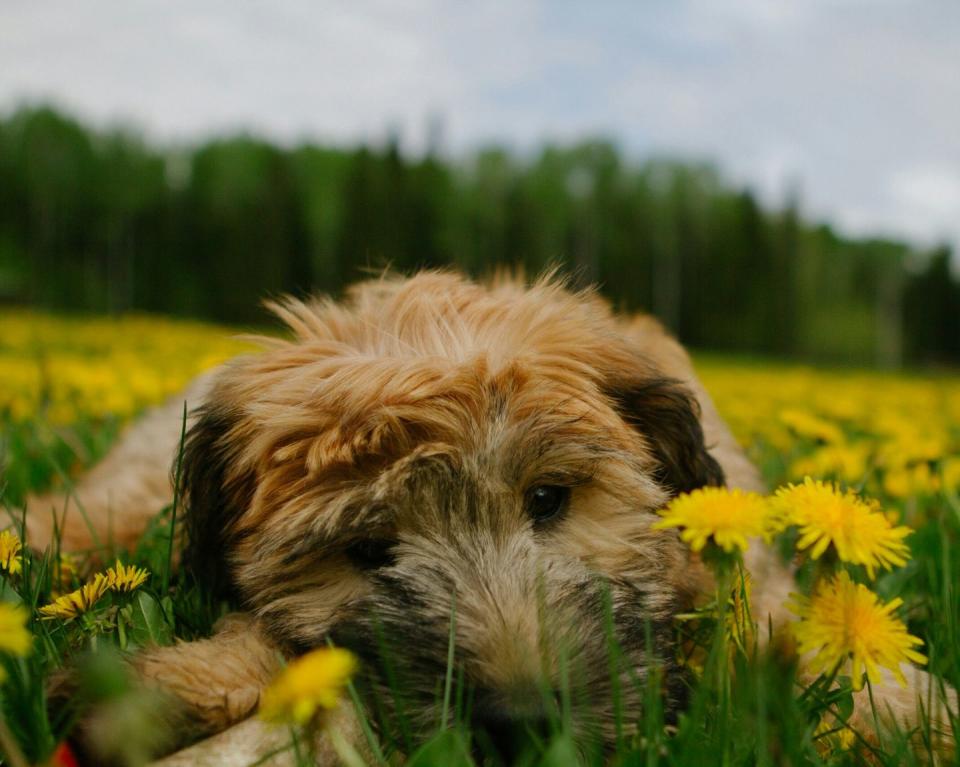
{"points": [[103, 221]]}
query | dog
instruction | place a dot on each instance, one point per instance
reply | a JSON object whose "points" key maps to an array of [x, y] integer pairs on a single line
{"points": [[432, 458]]}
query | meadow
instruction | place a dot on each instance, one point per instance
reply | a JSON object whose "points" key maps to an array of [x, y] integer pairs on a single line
{"points": [[68, 385]]}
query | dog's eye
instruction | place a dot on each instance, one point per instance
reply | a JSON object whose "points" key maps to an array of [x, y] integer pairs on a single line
{"points": [[547, 501], [372, 554]]}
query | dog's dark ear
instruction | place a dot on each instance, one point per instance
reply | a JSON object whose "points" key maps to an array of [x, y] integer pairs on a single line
{"points": [[213, 498], [667, 414]]}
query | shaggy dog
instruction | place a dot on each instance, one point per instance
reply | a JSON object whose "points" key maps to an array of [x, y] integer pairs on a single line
{"points": [[431, 447]]}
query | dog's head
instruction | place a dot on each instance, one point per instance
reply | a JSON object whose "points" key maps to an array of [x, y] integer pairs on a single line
{"points": [[436, 464]]}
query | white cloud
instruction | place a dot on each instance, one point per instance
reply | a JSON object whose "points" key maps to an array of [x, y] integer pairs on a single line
{"points": [[927, 201], [935, 190]]}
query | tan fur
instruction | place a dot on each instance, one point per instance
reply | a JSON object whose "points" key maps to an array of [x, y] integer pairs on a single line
{"points": [[422, 412], [221, 677], [253, 741], [114, 502]]}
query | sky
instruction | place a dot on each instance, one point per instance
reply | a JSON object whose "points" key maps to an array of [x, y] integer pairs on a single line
{"points": [[855, 103]]}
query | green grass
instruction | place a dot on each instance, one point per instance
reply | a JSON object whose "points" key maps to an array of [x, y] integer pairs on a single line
{"points": [[757, 715]]}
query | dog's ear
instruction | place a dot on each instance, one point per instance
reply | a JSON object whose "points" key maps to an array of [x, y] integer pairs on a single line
{"points": [[667, 415], [213, 495]]}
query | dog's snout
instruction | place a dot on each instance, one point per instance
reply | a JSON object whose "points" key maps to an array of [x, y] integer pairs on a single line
{"points": [[507, 726], [507, 736]]}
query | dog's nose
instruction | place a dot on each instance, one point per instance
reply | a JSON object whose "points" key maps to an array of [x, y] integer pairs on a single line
{"points": [[507, 737]]}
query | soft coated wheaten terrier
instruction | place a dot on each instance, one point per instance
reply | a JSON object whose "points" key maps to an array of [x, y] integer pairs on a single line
{"points": [[428, 446]]}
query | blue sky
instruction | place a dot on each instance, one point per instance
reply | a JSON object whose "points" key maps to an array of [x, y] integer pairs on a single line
{"points": [[856, 102]]}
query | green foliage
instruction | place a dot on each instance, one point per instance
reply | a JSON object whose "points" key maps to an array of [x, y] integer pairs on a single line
{"points": [[101, 222]]}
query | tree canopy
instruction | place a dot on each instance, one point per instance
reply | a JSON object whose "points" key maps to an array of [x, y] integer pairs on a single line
{"points": [[100, 221]]}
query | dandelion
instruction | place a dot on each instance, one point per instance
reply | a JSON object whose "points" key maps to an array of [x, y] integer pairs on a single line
{"points": [[951, 474], [125, 365], [729, 517], [848, 462], [833, 736], [904, 481], [10, 548], [14, 637], [859, 532], [845, 620], [125, 579], [77, 602], [312, 682], [808, 425]]}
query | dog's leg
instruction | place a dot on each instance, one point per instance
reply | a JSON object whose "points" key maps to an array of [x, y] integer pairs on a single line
{"points": [[215, 682], [256, 742], [217, 685], [203, 687], [250, 742], [115, 501]]}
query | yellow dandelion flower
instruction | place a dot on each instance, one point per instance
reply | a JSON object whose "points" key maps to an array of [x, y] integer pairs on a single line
{"points": [[312, 682], [77, 602], [10, 548], [125, 579], [845, 620], [730, 517], [902, 482], [951, 474], [860, 532], [14, 637], [848, 462], [833, 736], [808, 425]]}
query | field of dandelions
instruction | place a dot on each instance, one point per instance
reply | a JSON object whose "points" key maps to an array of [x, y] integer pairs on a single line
{"points": [[864, 471]]}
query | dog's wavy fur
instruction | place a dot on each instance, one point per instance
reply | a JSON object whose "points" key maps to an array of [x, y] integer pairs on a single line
{"points": [[363, 476]]}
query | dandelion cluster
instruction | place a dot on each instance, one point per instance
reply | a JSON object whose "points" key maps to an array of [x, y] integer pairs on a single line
{"points": [[65, 370], [843, 620], [895, 436], [119, 578]]}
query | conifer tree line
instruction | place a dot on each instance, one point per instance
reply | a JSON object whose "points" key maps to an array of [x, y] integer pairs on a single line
{"points": [[99, 221]]}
